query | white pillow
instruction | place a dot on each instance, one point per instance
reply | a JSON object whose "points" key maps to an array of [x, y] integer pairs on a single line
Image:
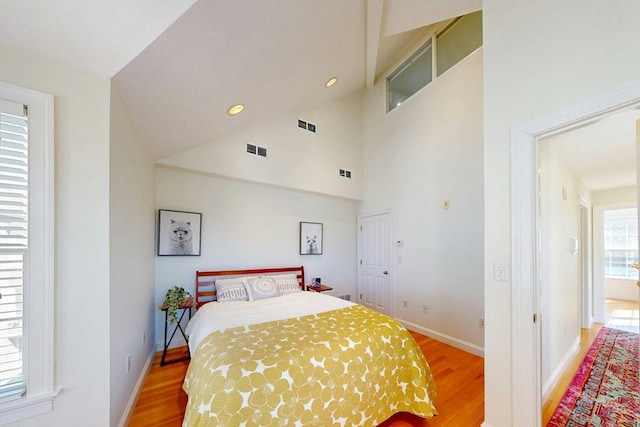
{"points": [[286, 283], [261, 288], [231, 290], [285, 276], [288, 286]]}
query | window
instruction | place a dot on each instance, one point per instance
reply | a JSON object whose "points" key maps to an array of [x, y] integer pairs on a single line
{"points": [[26, 253], [14, 203], [620, 243], [412, 76], [457, 41]]}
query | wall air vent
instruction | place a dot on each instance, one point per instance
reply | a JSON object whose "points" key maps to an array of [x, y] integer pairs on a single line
{"points": [[308, 126], [345, 297], [256, 150]]}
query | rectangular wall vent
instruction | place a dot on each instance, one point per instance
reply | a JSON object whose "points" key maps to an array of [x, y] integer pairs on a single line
{"points": [[345, 173], [345, 297], [308, 126], [256, 150]]}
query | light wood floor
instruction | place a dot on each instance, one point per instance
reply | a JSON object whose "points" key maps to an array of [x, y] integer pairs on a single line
{"points": [[459, 378]]}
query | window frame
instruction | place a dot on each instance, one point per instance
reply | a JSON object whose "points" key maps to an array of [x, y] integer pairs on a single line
{"points": [[38, 312], [607, 250], [432, 42]]}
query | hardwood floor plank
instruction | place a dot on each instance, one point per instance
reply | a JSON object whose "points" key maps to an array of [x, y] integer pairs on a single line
{"points": [[459, 380]]}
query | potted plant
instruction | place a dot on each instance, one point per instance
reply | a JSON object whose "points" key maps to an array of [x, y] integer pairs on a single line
{"points": [[173, 299]]}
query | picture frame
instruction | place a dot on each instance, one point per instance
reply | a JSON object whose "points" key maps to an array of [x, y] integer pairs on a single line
{"points": [[179, 233], [311, 238]]}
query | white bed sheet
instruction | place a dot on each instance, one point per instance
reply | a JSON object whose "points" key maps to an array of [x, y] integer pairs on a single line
{"points": [[215, 316]]}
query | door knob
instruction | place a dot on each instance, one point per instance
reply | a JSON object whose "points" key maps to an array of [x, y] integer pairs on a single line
{"points": [[387, 272]]}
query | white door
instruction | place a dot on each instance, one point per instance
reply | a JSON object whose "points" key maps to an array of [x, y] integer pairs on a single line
{"points": [[374, 290]]}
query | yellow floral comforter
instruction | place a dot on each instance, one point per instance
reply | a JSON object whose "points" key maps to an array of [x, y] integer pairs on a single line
{"points": [[346, 367]]}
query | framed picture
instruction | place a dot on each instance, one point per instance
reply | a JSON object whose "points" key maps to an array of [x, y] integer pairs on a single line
{"points": [[179, 233], [310, 238]]}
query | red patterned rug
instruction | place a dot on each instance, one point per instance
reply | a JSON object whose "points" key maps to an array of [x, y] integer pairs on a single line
{"points": [[605, 391]]}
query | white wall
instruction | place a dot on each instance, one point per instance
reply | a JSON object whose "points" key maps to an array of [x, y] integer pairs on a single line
{"points": [[296, 158], [82, 234], [424, 152], [559, 265], [538, 58], [247, 225], [618, 195], [132, 233], [624, 289]]}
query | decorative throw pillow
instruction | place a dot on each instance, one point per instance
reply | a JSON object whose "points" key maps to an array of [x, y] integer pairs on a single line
{"points": [[285, 276], [286, 283], [231, 290], [261, 288], [288, 286]]}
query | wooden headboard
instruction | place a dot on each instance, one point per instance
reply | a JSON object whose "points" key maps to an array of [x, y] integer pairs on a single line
{"points": [[206, 291]]}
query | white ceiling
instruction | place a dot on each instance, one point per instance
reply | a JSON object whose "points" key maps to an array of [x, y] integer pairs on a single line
{"points": [[179, 64], [101, 36], [602, 153]]}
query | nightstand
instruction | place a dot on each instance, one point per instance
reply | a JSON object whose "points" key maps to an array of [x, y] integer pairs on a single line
{"points": [[184, 308], [320, 288]]}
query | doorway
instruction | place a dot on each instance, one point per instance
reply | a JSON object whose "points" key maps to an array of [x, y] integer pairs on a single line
{"points": [[577, 171], [526, 305]]}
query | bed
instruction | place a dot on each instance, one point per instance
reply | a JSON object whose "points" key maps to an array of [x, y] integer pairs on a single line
{"points": [[296, 358]]}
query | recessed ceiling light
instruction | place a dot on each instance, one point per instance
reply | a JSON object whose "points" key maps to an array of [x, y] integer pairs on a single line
{"points": [[331, 81], [235, 109]]}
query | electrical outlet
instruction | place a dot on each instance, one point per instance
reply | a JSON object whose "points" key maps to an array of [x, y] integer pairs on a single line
{"points": [[425, 308], [406, 303], [144, 337], [481, 323], [128, 364], [500, 272]]}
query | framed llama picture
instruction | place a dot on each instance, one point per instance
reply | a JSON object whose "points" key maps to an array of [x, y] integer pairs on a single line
{"points": [[179, 233], [310, 238]]}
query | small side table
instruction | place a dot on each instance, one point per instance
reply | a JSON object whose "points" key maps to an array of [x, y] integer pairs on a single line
{"points": [[320, 288], [185, 307]]}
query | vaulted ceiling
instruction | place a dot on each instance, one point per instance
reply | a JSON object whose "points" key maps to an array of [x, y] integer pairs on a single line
{"points": [[179, 64]]}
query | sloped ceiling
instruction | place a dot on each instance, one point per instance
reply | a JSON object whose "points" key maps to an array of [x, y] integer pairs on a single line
{"points": [[100, 36], [179, 64], [274, 56]]}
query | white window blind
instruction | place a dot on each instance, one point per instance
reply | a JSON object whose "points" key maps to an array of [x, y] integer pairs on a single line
{"points": [[14, 187]]}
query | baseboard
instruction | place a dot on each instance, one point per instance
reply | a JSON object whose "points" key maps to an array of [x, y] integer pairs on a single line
{"points": [[454, 342], [124, 420], [562, 366], [485, 424]]}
